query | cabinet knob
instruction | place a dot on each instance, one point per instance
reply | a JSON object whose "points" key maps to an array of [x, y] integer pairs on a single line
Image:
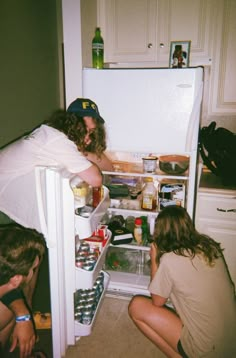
{"points": [[149, 45], [161, 45]]}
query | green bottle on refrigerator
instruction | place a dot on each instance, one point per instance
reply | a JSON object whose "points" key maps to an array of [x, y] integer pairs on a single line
{"points": [[98, 49]]}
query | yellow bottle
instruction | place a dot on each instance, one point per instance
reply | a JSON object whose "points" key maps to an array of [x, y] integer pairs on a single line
{"points": [[149, 195]]}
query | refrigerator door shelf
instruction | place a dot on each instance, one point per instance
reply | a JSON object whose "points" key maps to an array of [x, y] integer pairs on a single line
{"points": [[86, 226], [84, 329], [85, 279]]}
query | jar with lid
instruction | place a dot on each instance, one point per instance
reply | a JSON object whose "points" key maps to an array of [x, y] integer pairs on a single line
{"points": [[80, 192], [149, 195]]}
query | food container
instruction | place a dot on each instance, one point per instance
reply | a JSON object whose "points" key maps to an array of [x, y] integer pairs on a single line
{"points": [[149, 164], [173, 164]]}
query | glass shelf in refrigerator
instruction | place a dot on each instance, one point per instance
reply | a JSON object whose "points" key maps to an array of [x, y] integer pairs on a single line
{"points": [[128, 259]]}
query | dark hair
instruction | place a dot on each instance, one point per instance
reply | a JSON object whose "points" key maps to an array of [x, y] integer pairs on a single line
{"points": [[19, 247], [175, 232], [74, 128]]}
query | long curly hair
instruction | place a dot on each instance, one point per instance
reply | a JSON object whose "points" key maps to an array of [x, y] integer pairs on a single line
{"points": [[175, 232], [74, 128]]}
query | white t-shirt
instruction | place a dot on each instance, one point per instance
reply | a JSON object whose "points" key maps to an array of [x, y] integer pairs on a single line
{"points": [[46, 146], [203, 296]]}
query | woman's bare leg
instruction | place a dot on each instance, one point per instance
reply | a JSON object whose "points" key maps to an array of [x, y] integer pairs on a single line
{"points": [[159, 324]]}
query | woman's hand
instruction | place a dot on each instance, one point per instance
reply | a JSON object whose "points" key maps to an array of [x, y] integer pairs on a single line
{"points": [[153, 255], [153, 252]]}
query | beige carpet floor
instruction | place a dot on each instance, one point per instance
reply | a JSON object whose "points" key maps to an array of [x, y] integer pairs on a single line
{"points": [[114, 336]]}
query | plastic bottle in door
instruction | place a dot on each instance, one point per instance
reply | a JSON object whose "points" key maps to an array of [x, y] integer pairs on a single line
{"points": [[149, 195], [98, 49]]}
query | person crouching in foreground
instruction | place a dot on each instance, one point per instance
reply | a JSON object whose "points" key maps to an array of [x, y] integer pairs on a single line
{"points": [[188, 268], [21, 250]]}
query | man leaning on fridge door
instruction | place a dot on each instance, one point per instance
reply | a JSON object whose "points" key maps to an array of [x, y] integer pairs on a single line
{"points": [[74, 139]]}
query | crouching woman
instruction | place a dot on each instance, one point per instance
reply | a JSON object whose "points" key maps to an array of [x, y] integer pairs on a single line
{"points": [[189, 269]]}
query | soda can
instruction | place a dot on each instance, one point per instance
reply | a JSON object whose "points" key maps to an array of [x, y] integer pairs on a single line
{"points": [[80, 261], [92, 293], [87, 316], [88, 267], [78, 316], [80, 306], [90, 305], [84, 246]]}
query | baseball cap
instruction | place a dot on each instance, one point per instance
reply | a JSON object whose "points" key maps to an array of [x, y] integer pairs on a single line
{"points": [[85, 107]]}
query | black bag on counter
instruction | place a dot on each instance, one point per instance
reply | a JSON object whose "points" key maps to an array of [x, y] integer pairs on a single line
{"points": [[218, 151]]}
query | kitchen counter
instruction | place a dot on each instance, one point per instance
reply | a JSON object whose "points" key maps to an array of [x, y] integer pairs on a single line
{"points": [[211, 182]]}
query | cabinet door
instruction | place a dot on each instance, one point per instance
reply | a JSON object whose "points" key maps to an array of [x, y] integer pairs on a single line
{"points": [[225, 234], [215, 216], [140, 31], [222, 83], [128, 29], [185, 20]]}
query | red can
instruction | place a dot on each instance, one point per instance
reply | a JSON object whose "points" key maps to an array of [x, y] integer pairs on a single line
{"points": [[102, 231]]}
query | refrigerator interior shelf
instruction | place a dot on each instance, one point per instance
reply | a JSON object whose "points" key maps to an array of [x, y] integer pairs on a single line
{"points": [[128, 283], [133, 246], [158, 175], [84, 329], [85, 226], [85, 279]]}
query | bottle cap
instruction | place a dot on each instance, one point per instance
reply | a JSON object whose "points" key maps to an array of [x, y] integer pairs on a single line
{"points": [[138, 221], [148, 179]]}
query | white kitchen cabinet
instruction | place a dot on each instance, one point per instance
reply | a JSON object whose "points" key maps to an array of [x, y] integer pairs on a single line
{"points": [[222, 90], [140, 31], [216, 217]]}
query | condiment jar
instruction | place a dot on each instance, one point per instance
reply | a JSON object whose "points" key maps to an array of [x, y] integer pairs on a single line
{"points": [[149, 195], [138, 230]]}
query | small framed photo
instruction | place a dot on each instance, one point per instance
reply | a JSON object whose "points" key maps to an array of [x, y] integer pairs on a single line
{"points": [[179, 54]]}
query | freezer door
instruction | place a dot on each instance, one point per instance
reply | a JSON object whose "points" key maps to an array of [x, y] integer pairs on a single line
{"points": [[148, 110]]}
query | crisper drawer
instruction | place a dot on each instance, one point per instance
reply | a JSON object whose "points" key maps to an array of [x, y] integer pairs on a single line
{"points": [[85, 226], [85, 279], [82, 329], [215, 206]]}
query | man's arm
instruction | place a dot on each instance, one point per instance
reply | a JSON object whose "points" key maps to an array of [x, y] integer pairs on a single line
{"points": [[23, 328], [24, 331], [103, 162]]}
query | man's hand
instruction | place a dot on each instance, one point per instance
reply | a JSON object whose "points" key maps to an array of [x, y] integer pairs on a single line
{"points": [[24, 337]]}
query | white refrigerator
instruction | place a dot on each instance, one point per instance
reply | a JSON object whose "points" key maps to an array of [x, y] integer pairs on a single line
{"points": [[145, 111]]}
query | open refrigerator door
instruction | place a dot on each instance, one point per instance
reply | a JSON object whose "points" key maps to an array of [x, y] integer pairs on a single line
{"points": [[61, 226]]}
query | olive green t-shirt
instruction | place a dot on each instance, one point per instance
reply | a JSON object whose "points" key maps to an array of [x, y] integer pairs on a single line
{"points": [[204, 298]]}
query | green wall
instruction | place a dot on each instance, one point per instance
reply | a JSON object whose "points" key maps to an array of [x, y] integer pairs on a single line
{"points": [[29, 65]]}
